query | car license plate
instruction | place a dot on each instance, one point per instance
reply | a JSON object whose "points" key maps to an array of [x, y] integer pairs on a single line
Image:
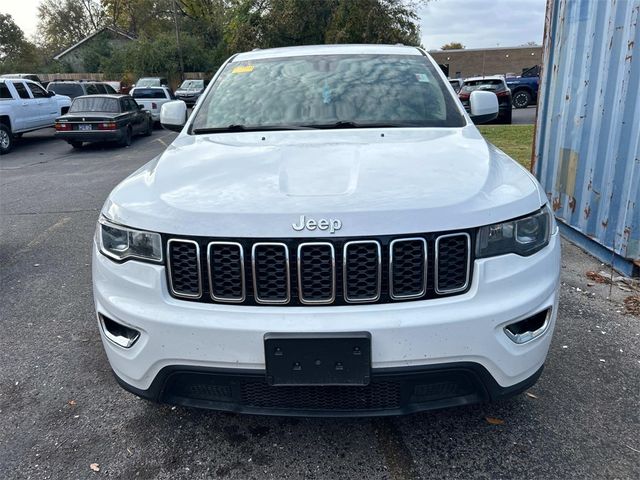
{"points": [[84, 126], [318, 358]]}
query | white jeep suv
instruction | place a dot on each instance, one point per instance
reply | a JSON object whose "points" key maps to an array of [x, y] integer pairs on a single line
{"points": [[329, 234]]}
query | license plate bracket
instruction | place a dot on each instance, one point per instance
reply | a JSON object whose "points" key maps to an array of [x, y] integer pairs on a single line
{"points": [[318, 358]]}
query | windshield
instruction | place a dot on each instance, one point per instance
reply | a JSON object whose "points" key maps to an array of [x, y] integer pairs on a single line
{"points": [[491, 85], [148, 93], [148, 82], [69, 89], [322, 91], [192, 85], [95, 104]]}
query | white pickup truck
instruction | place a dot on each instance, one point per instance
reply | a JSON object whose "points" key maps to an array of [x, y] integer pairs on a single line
{"points": [[26, 106], [152, 99]]}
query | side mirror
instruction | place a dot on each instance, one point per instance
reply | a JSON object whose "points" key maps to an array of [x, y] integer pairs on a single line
{"points": [[173, 115], [483, 106], [140, 107], [51, 93]]}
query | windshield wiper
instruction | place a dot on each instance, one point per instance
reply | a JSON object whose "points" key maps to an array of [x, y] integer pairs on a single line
{"points": [[248, 128], [351, 124]]}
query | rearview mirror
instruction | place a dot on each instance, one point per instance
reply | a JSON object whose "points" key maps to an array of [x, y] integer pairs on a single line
{"points": [[483, 106], [173, 115]]}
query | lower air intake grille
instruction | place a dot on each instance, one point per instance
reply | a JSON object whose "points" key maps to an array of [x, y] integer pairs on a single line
{"points": [[452, 264], [184, 266], [381, 395]]}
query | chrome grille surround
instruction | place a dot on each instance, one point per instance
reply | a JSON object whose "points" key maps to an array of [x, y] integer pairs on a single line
{"points": [[345, 258], [243, 295], [266, 301], [302, 284], [437, 263], [424, 269], [170, 260], [361, 271]]}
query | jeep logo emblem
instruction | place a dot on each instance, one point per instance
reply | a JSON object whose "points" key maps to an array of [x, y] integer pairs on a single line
{"points": [[331, 224]]}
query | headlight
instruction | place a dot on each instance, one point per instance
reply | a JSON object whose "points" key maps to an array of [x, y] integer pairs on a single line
{"points": [[122, 243], [523, 236]]}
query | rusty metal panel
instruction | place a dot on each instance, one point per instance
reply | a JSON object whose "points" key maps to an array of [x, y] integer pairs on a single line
{"points": [[587, 151]]}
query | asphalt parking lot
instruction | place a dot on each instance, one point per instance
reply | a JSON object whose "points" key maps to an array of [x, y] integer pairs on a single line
{"points": [[61, 410]]}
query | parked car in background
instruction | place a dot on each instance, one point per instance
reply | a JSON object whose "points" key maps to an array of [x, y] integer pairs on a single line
{"points": [[117, 86], [152, 82], [26, 106], [495, 84], [152, 99], [524, 89], [74, 89], [26, 76], [103, 118], [456, 83], [190, 90]]}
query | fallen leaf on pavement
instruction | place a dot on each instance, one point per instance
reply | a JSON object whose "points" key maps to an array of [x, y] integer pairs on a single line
{"points": [[596, 277], [632, 304], [72, 403], [95, 467], [531, 395], [494, 421]]}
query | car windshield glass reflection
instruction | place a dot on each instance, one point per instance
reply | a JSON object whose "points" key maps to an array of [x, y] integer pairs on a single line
{"points": [[95, 104], [192, 85], [341, 91]]}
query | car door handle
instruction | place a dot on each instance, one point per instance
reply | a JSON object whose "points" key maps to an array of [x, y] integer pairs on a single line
{"points": [[24, 104]]}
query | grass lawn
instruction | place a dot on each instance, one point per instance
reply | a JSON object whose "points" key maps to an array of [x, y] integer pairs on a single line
{"points": [[515, 140]]}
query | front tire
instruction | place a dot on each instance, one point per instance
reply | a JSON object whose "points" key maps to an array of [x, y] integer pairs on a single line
{"points": [[521, 99], [149, 130], [6, 139]]}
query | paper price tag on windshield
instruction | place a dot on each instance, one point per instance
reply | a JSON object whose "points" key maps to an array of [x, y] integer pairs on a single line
{"points": [[243, 69], [422, 77]]}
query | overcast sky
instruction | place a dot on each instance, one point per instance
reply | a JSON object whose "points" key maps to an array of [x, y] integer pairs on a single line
{"points": [[474, 23]]}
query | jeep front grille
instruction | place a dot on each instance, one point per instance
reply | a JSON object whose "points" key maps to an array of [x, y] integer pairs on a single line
{"points": [[327, 271]]}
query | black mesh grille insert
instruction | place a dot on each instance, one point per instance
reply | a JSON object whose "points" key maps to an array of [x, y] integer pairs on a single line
{"points": [[271, 274], [453, 253], [381, 395], [316, 272], [184, 265], [226, 268], [362, 271], [408, 268]]}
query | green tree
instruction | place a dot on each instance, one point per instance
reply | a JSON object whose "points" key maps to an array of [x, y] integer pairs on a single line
{"points": [[16, 53], [65, 22], [452, 46]]}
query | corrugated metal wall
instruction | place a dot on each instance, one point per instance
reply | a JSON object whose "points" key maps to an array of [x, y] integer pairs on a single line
{"points": [[587, 152]]}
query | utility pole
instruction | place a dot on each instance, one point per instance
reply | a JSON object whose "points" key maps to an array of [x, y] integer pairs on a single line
{"points": [[175, 21]]}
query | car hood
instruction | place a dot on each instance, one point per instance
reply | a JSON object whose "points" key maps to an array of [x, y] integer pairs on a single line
{"points": [[375, 181]]}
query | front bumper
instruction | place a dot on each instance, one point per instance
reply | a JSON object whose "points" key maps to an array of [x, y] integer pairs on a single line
{"points": [[93, 135], [395, 391], [467, 328]]}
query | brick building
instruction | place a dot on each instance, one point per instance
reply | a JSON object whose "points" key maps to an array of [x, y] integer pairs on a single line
{"points": [[471, 62]]}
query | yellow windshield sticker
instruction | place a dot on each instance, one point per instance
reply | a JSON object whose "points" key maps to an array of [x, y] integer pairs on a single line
{"points": [[243, 69]]}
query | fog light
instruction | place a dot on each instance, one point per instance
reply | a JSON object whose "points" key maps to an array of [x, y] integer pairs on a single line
{"points": [[117, 333], [532, 327]]}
